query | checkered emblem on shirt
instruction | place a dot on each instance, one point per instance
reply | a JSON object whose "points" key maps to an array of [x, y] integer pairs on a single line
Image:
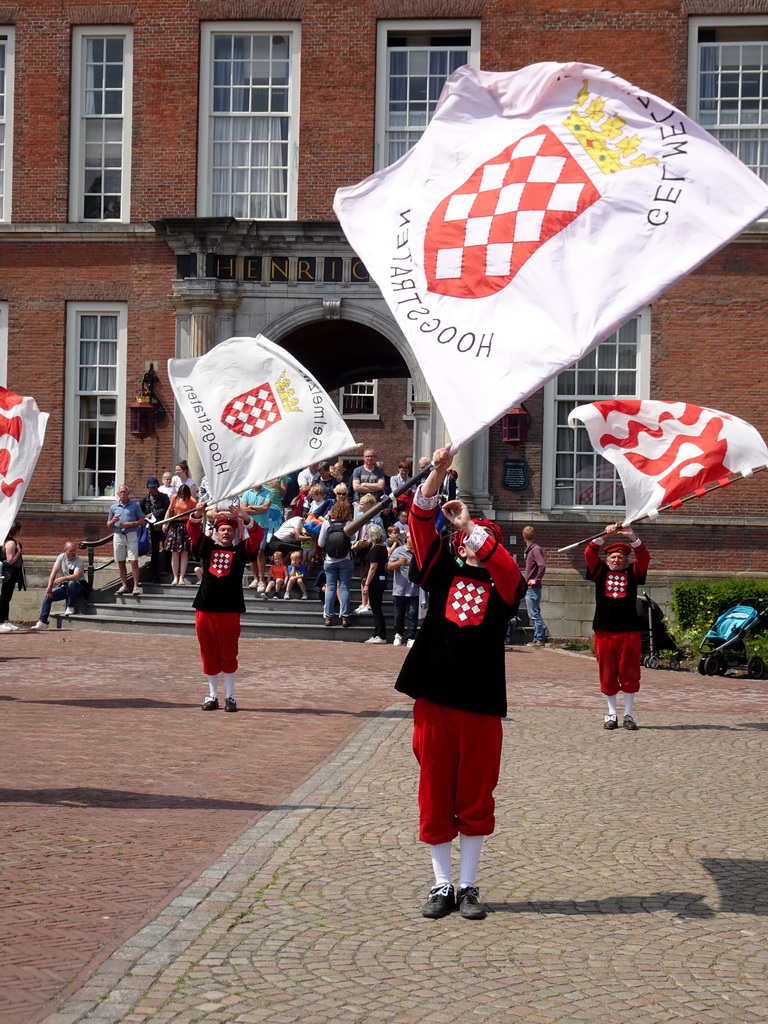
{"points": [[482, 234], [252, 412], [467, 601], [221, 562], [616, 584]]}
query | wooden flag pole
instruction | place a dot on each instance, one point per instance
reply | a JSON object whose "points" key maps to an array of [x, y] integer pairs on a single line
{"points": [[386, 501]]}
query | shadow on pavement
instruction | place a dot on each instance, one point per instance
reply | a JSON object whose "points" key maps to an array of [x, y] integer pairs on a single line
{"points": [[147, 703], [88, 797], [682, 904], [743, 884], [689, 728]]}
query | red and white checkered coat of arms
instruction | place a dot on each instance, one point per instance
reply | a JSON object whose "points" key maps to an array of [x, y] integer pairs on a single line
{"points": [[221, 561], [252, 412], [467, 601], [616, 584], [482, 234]]}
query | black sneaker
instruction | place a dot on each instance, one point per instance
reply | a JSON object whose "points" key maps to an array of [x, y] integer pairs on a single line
{"points": [[230, 704], [440, 903], [211, 704], [630, 723], [469, 905], [611, 722]]}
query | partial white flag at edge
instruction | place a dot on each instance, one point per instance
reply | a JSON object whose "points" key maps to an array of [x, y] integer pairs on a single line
{"points": [[21, 441]]}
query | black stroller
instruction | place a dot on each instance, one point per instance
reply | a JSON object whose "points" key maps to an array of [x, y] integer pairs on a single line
{"points": [[654, 635], [725, 644]]}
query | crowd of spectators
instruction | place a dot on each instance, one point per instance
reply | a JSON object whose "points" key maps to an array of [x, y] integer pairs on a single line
{"points": [[304, 551]]}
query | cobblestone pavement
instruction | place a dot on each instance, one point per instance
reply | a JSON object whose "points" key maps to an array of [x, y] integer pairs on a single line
{"points": [[627, 875]]}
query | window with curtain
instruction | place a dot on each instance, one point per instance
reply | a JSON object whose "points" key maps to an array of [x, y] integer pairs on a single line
{"points": [[97, 405], [615, 369], [6, 120], [730, 90], [249, 122], [414, 60], [101, 125], [358, 399]]}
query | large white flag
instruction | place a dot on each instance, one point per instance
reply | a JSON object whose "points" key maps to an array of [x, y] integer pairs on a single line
{"points": [[254, 413], [665, 451], [538, 212], [22, 430]]}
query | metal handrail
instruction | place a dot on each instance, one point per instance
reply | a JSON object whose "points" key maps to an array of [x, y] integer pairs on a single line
{"points": [[90, 545]]}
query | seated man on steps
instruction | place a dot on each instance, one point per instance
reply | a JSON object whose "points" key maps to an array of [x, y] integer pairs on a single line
{"points": [[64, 583]]}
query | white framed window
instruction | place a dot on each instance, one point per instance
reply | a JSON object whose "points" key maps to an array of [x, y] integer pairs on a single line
{"points": [[100, 171], [249, 118], [94, 453], [4, 344], [410, 398], [728, 84], [6, 121], [573, 474], [413, 60], [359, 400]]}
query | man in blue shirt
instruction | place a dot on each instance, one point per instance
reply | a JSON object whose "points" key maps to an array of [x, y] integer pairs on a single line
{"points": [[258, 501], [126, 517]]}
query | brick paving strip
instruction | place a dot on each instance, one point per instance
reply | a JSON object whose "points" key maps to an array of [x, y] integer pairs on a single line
{"points": [[627, 880]]}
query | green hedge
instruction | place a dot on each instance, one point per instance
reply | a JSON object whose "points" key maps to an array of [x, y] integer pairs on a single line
{"points": [[696, 605]]}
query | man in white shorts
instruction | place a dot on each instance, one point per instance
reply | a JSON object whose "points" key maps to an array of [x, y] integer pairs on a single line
{"points": [[126, 517]]}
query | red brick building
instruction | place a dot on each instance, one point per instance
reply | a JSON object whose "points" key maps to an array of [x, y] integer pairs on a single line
{"points": [[167, 174]]}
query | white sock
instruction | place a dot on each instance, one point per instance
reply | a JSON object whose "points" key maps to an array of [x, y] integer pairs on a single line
{"points": [[229, 679], [213, 685], [629, 700], [470, 848], [441, 863], [612, 706]]}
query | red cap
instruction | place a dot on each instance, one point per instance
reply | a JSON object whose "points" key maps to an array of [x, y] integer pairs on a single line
{"points": [[618, 545], [223, 521]]}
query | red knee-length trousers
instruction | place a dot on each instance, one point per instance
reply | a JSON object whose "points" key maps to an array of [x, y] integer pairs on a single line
{"points": [[218, 634], [459, 754], [618, 660]]}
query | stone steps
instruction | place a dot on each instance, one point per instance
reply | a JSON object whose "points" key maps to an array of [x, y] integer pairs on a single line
{"points": [[165, 609]]}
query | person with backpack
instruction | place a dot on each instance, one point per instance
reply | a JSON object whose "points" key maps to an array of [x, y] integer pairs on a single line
{"points": [[337, 561]]}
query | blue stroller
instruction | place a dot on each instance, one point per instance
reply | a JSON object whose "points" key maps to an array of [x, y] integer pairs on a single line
{"points": [[725, 644]]}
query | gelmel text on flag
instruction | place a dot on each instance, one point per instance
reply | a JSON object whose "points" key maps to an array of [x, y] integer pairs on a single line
{"points": [[539, 211]]}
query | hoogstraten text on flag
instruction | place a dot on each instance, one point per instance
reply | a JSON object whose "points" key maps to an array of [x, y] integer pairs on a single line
{"points": [[254, 413], [539, 211]]}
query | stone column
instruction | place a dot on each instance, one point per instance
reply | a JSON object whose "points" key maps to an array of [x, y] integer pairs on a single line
{"points": [[197, 324]]}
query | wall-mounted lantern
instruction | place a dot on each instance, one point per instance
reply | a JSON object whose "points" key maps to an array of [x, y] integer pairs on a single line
{"points": [[147, 411], [514, 425]]}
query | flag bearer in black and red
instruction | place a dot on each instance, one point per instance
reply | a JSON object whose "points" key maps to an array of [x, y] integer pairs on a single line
{"points": [[456, 674], [219, 602], [616, 625]]}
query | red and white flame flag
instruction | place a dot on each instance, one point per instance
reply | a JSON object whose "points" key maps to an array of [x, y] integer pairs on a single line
{"points": [[539, 211], [254, 413], [22, 430], [665, 451]]}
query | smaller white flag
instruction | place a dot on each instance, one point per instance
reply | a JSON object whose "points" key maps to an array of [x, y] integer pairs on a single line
{"points": [[254, 413], [22, 429], [665, 451]]}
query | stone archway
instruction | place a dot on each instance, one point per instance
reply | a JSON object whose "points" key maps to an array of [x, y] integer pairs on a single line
{"points": [[341, 341]]}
